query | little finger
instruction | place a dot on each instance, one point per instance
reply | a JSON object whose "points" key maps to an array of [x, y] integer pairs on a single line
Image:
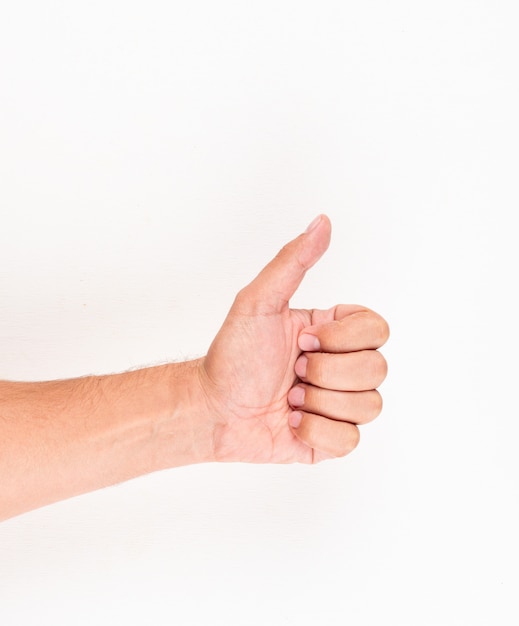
{"points": [[357, 407], [328, 436]]}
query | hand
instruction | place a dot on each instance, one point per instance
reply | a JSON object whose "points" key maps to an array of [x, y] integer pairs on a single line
{"points": [[291, 385], [277, 386]]}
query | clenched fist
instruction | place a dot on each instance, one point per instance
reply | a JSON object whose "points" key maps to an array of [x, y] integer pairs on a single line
{"points": [[292, 385]]}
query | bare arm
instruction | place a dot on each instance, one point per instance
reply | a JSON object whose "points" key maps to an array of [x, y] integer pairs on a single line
{"points": [[63, 438], [278, 385]]}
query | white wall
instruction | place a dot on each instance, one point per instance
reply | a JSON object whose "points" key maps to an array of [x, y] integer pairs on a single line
{"points": [[153, 156]]}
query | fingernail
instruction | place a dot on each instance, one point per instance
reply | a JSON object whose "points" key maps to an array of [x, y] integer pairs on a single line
{"points": [[313, 225], [295, 419], [296, 396], [308, 343], [300, 366]]}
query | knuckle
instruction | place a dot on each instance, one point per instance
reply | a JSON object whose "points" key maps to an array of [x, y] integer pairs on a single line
{"points": [[242, 298], [290, 251], [355, 440], [381, 330], [376, 327], [379, 367], [283, 251], [351, 441], [371, 407], [376, 403], [345, 442]]}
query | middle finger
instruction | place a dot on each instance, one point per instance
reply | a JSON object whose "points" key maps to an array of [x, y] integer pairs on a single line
{"points": [[350, 371]]}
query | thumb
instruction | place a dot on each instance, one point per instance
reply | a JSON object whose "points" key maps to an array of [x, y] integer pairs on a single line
{"points": [[271, 290]]}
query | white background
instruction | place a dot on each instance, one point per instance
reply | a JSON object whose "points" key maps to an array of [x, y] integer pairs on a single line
{"points": [[153, 156]]}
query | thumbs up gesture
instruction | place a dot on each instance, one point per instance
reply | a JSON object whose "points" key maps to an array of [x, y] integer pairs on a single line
{"points": [[292, 385]]}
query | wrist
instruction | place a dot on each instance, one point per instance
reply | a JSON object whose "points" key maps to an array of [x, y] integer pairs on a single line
{"points": [[182, 426]]}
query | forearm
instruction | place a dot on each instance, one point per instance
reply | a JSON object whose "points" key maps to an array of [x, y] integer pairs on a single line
{"points": [[63, 438]]}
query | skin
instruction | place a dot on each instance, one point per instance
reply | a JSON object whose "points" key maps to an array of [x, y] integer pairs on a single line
{"points": [[278, 385]]}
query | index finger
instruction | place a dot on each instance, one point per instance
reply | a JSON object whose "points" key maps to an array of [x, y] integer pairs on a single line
{"points": [[352, 328]]}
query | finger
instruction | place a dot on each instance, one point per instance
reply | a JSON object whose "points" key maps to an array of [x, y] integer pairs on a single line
{"points": [[357, 407], [352, 371], [353, 328], [324, 435], [271, 290]]}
